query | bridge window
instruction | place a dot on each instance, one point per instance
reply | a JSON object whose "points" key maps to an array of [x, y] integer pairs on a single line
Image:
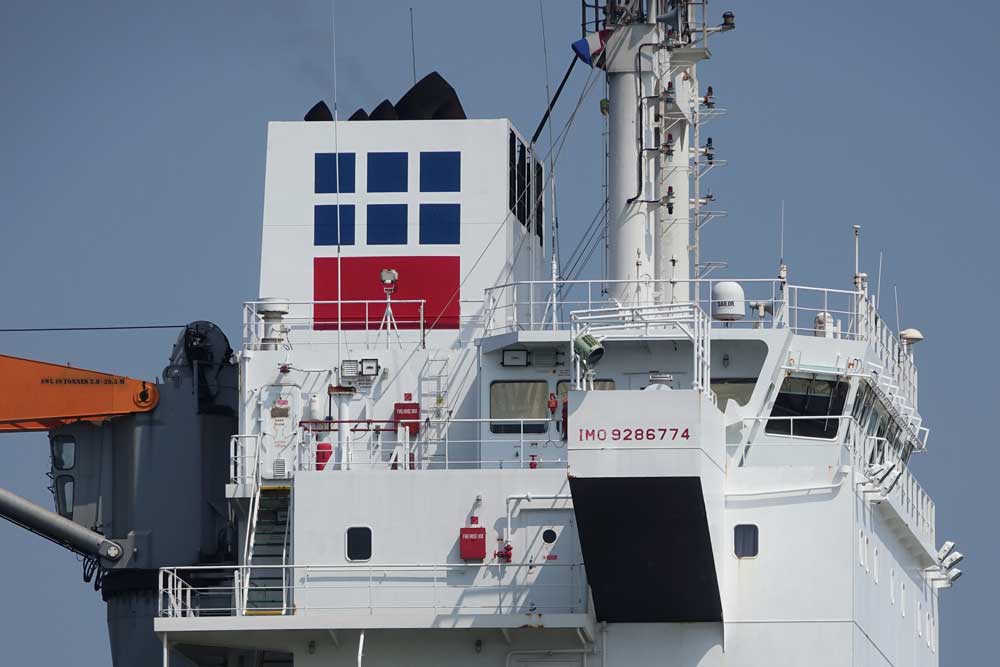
{"points": [[64, 495], [733, 389], [746, 540], [564, 386], [63, 452], [519, 399], [808, 397], [359, 543]]}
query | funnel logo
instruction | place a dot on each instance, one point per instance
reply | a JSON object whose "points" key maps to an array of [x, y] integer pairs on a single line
{"points": [[386, 222], [429, 285]]}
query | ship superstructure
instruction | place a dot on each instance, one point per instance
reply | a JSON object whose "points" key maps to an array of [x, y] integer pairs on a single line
{"points": [[444, 453]]}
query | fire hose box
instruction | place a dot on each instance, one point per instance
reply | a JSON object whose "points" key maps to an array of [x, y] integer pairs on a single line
{"points": [[472, 543], [408, 413]]}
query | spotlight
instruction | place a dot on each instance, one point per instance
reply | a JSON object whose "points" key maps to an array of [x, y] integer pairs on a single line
{"points": [[390, 280], [953, 575], [589, 349], [945, 549], [952, 560]]}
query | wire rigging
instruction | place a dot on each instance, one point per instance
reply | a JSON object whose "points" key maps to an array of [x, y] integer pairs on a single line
{"points": [[123, 327]]}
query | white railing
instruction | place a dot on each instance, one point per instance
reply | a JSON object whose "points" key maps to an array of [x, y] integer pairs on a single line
{"points": [[386, 445], [675, 320], [408, 321], [770, 303], [531, 306], [902, 490], [244, 450], [451, 589]]}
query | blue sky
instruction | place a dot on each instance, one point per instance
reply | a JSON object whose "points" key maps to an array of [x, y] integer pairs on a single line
{"points": [[131, 187]]}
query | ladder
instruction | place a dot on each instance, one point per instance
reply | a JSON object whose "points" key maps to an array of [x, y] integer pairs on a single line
{"points": [[265, 588]]}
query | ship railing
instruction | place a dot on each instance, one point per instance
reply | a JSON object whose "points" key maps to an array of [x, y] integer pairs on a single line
{"points": [[244, 453], [488, 588], [539, 305], [897, 366], [682, 320], [897, 484], [856, 447], [366, 319], [430, 444], [361, 320]]}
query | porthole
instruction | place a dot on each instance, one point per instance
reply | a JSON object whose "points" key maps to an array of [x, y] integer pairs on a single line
{"points": [[359, 543], [549, 536], [746, 540]]}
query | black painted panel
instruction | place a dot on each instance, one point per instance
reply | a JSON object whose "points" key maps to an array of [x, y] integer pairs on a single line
{"points": [[647, 549]]}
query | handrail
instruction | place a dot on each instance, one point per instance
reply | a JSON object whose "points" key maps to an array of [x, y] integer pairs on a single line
{"points": [[252, 527], [321, 587]]}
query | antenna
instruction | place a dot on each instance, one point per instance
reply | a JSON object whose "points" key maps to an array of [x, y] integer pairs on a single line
{"points": [[413, 48], [878, 286], [857, 252], [895, 294], [781, 235]]}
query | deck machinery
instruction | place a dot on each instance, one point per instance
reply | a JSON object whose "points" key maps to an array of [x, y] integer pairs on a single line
{"points": [[445, 454]]}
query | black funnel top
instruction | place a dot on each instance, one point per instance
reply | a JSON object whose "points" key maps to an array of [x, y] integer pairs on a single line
{"points": [[431, 98], [319, 112], [384, 111]]}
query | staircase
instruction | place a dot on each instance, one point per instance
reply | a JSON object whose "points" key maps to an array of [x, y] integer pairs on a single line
{"points": [[265, 588]]}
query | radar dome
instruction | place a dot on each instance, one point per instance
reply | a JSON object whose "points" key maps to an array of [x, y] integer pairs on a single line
{"points": [[728, 301]]}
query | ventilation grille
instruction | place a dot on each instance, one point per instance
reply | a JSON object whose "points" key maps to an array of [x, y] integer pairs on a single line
{"points": [[279, 469]]}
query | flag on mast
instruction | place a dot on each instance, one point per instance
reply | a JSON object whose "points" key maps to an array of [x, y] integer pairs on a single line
{"points": [[590, 48]]}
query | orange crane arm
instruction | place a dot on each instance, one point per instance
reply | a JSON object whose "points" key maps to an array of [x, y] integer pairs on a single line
{"points": [[39, 396]]}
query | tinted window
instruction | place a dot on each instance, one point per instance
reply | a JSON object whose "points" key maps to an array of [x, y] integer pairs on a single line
{"points": [[519, 399], [746, 540], [733, 389], [64, 495], [521, 206], [808, 397], [359, 543], [63, 452], [564, 386]]}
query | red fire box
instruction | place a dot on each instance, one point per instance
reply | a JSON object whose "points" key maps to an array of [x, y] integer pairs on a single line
{"points": [[408, 411], [472, 543]]}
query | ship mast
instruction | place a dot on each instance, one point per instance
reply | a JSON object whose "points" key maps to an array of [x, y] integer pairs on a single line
{"points": [[655, 156]]}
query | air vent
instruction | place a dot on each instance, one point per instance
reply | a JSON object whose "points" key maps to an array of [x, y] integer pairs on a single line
{"points": [[544, 358], [279, 469]]}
